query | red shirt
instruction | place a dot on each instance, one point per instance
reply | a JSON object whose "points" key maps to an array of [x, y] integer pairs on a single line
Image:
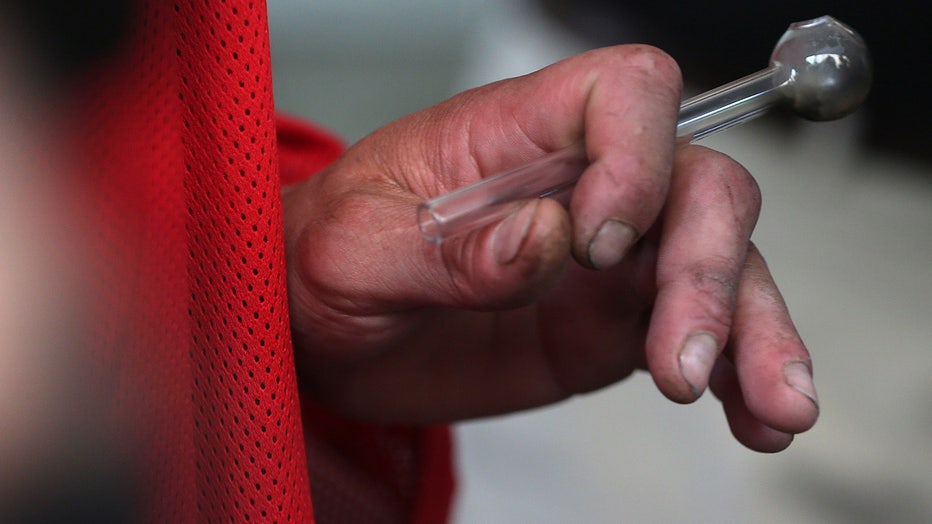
{"points": [[183, 157]]}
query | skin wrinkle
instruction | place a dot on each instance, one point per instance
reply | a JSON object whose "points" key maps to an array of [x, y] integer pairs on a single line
{"points": [[417, 177], [473, 150], [361, 204], [538, 120], [355, 313], [525, 133], [743, 192], [458, 267], [749, 204], [497, 134], [721, 289], [343, 325], [541, 115], [447, 151]]}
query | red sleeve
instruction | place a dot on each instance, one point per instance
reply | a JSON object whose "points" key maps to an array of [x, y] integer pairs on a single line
{"points": [[303, 148], [180, 159], [364, 472]]}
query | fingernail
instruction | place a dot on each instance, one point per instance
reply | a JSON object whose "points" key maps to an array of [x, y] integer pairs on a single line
{"points": [[610, 243], [798, 376], [696, 360], [510, 234]]}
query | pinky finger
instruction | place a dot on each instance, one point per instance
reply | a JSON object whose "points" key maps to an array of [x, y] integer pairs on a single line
{"points": [[745, 427]]}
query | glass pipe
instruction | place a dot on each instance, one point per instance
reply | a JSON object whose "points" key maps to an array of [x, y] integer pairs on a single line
{"points": [[821, 67]]}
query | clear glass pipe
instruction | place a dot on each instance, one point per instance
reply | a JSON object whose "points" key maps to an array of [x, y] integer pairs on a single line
{"points": [[552, 175], [820, 65]]}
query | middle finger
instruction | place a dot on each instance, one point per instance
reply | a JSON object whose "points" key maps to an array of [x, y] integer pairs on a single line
{"points": [[710, 213]]}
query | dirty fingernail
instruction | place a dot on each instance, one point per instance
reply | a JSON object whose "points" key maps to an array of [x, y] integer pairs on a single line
{"points": [[610, 243], [798, 376], [696, 360], [510, 234]]}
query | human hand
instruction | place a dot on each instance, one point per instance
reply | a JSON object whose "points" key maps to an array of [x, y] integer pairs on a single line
{"points": [[651, 266]]}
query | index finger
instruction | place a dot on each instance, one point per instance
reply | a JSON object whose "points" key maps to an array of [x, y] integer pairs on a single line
{"points": [[623, 101], [630, 131]]}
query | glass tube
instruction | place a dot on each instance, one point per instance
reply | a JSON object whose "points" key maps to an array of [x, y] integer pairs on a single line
{"points": [[554, 174]]}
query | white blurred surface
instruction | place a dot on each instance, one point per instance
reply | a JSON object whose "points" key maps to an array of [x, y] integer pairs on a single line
{"points": [[847, 233]]}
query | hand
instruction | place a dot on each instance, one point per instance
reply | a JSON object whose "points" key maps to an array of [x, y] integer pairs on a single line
{"points": [[650, 266]]}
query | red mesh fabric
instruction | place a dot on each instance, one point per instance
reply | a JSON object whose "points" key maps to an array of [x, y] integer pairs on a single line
{"points": [[407, 475], [176, 138], [123, 126], [303, 149], [248, 433]]}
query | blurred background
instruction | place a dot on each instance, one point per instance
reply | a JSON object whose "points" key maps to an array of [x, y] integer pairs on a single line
{"points": [[846, 228]]}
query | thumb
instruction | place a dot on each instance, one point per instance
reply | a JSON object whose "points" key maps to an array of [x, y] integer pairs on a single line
{"points": [[510, 263], [362, 255]]}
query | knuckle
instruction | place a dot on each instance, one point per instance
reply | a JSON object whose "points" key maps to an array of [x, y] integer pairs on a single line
{"points": [[715, 288], [653, 61], [652, 65], [722, 175], [742, 187]]}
